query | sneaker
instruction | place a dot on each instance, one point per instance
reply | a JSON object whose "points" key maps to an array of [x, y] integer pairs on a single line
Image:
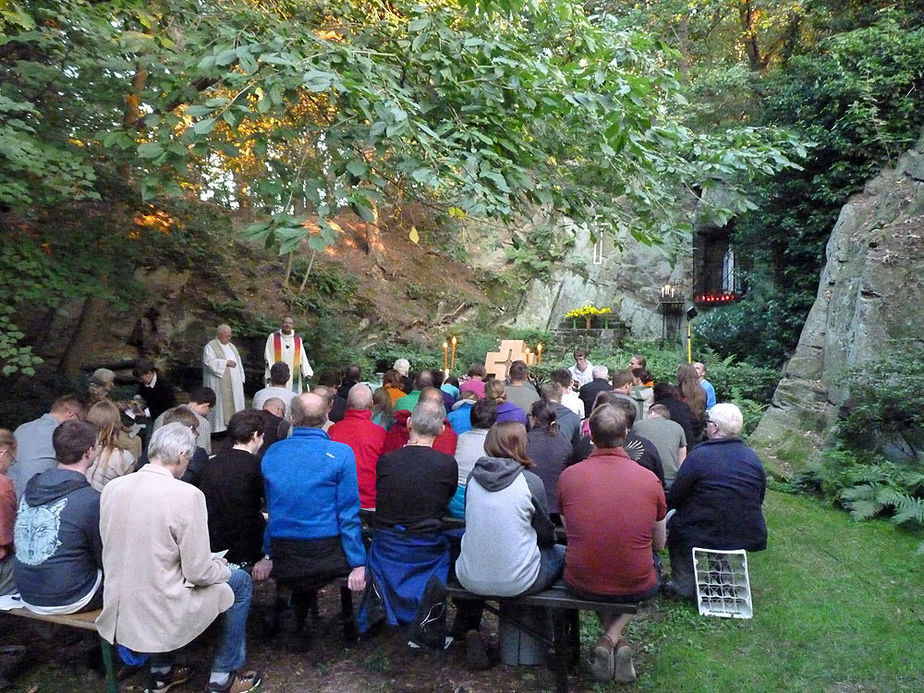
{"points": [[239, 682], [476, 656], [623, 669], [601, 659], [164, 682]]}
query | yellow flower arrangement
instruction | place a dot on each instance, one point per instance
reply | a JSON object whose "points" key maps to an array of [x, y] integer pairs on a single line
{"points": [[588, 311]]}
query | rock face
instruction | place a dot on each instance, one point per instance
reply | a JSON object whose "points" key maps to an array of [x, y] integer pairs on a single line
{"points": [[626, 280], [869, 295]]}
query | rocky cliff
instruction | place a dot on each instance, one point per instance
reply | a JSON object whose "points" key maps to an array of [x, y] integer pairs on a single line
{"points": [[869, 298]]}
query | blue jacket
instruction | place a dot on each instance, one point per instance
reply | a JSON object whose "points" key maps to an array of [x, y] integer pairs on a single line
{"points": [[718, 494], [312, 492]]}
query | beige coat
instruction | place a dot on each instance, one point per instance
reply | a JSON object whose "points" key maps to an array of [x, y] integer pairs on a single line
{"points": [[162, 588]]}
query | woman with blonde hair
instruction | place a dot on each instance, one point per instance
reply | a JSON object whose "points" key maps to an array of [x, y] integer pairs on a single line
{"points": [[112, 460]]}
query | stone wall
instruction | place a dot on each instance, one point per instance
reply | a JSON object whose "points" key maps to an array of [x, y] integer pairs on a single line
{"points": [[870, 294]]}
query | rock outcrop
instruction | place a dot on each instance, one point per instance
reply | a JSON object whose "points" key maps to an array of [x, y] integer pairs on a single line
{"points": [[870, 297]]}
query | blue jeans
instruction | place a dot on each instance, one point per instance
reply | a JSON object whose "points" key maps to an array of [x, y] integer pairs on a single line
{"points": [[231, 650]]}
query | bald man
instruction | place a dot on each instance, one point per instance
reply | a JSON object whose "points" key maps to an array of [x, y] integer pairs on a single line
{"points": [[223, 371], [365, 438], [313, 535]]}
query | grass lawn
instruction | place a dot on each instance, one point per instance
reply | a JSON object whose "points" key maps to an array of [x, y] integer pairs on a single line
{"points": [[838, 606]]}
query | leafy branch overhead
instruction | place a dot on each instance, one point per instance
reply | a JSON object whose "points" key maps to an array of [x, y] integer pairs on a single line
{"points": [[301, 109]]}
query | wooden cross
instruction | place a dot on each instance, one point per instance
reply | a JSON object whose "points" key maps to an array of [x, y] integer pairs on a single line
{"points": [[496, 362]]}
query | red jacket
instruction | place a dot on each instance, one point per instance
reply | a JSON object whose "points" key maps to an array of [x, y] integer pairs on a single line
{"points": [[366, 439], [398, 435]]}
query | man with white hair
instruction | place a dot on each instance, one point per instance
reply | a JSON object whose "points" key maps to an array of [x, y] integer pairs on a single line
{"points": [[717, 494], [223, 371], [599, 383], [162, 585]]}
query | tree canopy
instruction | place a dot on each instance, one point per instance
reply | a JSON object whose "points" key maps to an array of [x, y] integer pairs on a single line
{"points": [[297, 110]]}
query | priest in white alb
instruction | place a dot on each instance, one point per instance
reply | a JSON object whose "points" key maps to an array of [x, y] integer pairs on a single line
{"points": [[286, 346], [223, 371]]}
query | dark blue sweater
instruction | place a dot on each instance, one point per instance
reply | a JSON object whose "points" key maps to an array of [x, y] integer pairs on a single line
{"points": [[718, 494]]}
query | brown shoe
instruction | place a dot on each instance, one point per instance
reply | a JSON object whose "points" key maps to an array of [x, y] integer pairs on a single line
{"points": [[601, 659], [623, 669], [160, 683], [239, 682]]}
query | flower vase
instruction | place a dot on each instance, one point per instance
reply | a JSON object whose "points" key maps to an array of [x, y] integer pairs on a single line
{"points": [[587, 322], [606, 323], [573, 323]]}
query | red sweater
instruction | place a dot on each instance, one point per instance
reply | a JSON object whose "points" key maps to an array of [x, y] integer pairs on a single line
{"points": [[367, 440], [398, 435]]}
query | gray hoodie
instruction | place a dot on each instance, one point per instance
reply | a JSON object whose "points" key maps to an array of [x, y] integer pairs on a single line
{"points": [[506, 523]]}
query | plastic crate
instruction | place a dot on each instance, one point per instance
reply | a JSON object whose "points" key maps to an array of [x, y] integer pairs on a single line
{"points": [[722, 585]]}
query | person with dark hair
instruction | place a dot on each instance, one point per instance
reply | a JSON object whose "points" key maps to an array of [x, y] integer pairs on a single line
{"points": [[548, 449], [569, 397], [641, 390], [668, 395], [59, 552], [279, 376], [569, 425], [201, 402], [582, 370], [365, 438], [614, 510], [520, 391], [393, 384], [474, 380], [508, 548], [36, 452], [157, 393], [233, 487], [693, 395], [470, 448], [423, 380], [637, 361], [382, 408], [637, 447], [163, 585]]}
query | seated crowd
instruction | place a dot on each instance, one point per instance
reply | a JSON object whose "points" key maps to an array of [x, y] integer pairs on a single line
{"points": [[167, 539]]}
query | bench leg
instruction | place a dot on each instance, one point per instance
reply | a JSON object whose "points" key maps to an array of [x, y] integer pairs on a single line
{"points": [[561, 656], [109, 665]]}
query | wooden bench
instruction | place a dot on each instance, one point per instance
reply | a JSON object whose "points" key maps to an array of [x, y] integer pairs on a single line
{"points": [[84, 621], [564, 609]]}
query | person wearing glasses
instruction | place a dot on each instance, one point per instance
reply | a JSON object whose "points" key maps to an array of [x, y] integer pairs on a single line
{"points": [[7, 512], [717, 495]]}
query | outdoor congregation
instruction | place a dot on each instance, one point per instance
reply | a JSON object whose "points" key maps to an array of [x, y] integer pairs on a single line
{"points": [[127, 507]]}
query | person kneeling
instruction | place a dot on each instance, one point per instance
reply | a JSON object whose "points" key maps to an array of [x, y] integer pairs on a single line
{"points": [[162, 585]]}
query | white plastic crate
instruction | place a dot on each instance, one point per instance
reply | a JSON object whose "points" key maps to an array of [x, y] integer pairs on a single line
{"points": [[722, 586]]}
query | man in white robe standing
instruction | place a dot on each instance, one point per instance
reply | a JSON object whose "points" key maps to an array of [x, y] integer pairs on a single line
{"points": [[223, 371], [286, 346]]}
